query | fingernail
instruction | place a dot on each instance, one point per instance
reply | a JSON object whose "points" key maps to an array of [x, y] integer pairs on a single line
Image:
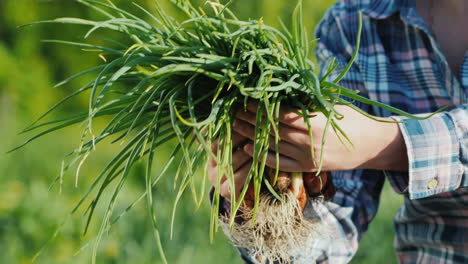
{"points": [[236, 123], [248, 148]]}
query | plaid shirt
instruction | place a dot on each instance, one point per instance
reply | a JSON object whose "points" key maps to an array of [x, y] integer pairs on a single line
{"points": [[400, 64]]}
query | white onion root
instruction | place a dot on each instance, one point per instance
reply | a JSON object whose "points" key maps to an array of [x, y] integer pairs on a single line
{"points": [[278, 230]]}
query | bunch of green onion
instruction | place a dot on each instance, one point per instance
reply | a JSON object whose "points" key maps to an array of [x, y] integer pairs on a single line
{"points": [[185, 80]]}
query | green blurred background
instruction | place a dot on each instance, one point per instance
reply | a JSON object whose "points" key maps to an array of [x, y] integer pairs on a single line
{"points": [[30, 213]]}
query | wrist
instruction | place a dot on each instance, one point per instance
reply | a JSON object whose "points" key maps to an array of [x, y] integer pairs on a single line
{"points": [[389, 148]]}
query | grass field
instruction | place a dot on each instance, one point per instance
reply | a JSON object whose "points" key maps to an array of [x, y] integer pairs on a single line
{"points": [[30, 213]]}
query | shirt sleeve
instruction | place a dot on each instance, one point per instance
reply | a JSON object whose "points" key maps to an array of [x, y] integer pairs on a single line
{"points": [[437, 150]]}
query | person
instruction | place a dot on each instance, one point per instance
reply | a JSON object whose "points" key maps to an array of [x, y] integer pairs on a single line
{"points": [[413, 56]]}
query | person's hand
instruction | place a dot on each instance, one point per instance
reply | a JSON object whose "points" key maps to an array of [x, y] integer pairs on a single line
{"points": [[376, 145], [241, 163]]}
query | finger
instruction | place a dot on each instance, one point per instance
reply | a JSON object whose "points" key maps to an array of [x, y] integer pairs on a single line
{"points": [[213, 175], [244, 128], [289, 117], [238, 139], [214, 149], [314, 183], [240, 177], [214, 146], [249, 197], [285, 164], [247, 117], [239, 158], [239, 180], [252, 106], [286, 132], [286, 116], [286, 149], [292, 135]]}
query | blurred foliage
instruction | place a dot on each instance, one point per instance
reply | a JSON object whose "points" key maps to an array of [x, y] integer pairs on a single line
{"points": [[30, 213]]}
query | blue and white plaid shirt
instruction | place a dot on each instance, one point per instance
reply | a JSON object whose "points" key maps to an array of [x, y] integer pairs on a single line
{"points": [[401, 64]]}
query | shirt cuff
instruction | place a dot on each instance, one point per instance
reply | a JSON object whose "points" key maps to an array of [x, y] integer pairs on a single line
{"points": [[433, 150]]}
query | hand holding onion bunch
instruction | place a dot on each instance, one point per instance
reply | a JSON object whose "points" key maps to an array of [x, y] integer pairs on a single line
{"points": [[373, 143]]}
